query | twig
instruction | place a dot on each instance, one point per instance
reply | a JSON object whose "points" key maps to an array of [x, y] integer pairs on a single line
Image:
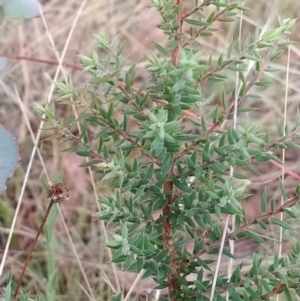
{"points": [[44, 61], [278, 289], [178, 35], [56, 194], [121, 86], [173, 287], [32, 247], [203, 28], [291, 202], [227, 113], [197, 8], [129, 139], [77, 140]]}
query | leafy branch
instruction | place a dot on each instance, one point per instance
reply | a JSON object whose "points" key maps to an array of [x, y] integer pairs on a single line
{"points": [[197, 8], [159, 179], [288, 204], [243, 91], [203, 28]]}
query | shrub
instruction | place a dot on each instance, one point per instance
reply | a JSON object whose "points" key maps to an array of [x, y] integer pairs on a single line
{"points": [[188, 173]]}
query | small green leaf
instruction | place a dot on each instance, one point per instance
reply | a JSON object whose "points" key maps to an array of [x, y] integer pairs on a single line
{"points": [[282, 224], [110, 111], [273, 205], [203, 124], [83, 153], [114, 244], [290, 212], [236, 275], [167, 164], [228, 254], [282, 190], [298, 191], [263, 202], [262, 224], [188, 137], [200, 221], [266, 285], [8, 292], [288, 295], [211, 17], [181, 186], [196, 22], [292, 145], [253, 236], [162, 49], [254, 295], [118, 257], [276, 55]]}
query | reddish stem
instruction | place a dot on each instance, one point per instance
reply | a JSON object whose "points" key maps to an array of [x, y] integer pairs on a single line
{"points": [[32, 247], [173, 288], [289, 203]]}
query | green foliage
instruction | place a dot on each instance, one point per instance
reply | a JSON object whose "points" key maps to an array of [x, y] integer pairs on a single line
{"points": [[161, 165]]}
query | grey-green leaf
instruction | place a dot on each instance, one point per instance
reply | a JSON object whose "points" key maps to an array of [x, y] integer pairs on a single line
{"points": [[22, 9]]}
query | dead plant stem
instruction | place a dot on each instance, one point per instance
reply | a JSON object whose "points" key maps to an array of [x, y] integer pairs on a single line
{"points": [[32, 247]]}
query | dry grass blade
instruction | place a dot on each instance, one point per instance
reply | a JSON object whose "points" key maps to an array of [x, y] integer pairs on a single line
{"points": [[280, 244]]}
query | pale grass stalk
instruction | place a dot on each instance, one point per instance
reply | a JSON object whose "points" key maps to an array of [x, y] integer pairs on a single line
{"points": [[83, 288], [64, 22], [213, 288], [250, 66], [47, 176], [35, 147], [226, 228], [23, 233], [20, 200], [231, 243], [157, 295], [263, 30], [60, 61], [237, 83], [27, 123], [283, 151], [107, 280], [63, 220], [267, 237], [91, 296], [134, 284], [60, 68]]}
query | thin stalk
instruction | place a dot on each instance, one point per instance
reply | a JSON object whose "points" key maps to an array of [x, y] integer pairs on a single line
{"points": [[283, 153], [168, 186], [32, 247]]}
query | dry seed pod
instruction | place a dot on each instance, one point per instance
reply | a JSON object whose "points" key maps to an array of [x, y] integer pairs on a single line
{"points": [[58, 193]]}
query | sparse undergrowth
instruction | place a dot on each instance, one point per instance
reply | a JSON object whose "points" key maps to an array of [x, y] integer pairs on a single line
{"points": [[152, 158]]}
